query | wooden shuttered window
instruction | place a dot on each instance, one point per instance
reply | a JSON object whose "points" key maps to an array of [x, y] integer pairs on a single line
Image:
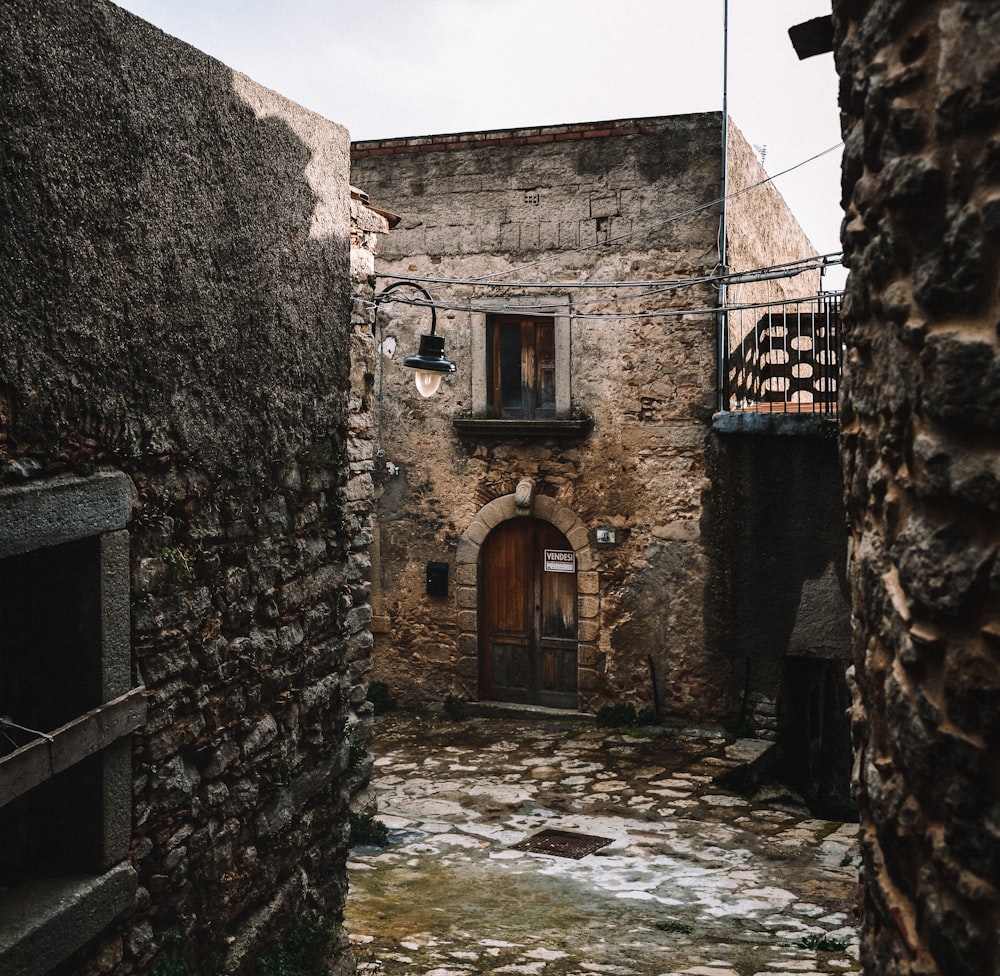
{"points": [[521, 367]]}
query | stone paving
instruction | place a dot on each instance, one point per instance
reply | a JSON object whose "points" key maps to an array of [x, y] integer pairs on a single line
{"points": [[696, 880]]}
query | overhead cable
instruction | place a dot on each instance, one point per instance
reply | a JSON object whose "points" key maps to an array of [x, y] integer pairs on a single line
{"points": [[541, 311], [801, 265]]}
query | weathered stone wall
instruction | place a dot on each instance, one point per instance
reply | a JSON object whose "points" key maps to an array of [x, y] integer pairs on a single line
{"points": [[783, 604], [175, 297], [921, 104], [556, 205]]}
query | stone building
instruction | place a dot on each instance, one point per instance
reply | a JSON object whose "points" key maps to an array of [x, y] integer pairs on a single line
{"points": [[689, 548], [185, 505], [921, 418]]}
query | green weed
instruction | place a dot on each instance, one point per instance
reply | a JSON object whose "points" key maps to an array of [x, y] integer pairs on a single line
{"points": [[454, 708], [367, 830], [378, 695], [820, 943], [180, 564], [624, 715], [305, 952], [671, 925]]}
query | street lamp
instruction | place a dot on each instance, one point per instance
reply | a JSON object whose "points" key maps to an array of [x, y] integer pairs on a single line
{"points": [[429, 364]]}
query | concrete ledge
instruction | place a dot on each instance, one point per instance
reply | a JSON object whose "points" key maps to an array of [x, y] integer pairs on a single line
{"points": [[525, 429], [758, 761], [44, 921], [751, 422]]}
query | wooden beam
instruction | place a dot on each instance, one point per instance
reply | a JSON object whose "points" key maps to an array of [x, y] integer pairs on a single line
{"points": [[40, 760]]}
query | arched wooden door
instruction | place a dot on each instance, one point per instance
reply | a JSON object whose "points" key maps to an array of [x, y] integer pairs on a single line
{"points": [[527, 615]]}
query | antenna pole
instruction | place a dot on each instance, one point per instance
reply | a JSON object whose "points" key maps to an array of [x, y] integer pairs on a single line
{"points": [[722, 322]]}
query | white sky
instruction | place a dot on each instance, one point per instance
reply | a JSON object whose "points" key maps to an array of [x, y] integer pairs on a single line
{"points": [[388, 68]]}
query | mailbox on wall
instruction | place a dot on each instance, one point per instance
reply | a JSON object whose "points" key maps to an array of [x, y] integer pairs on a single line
{"points": [[437, 579]]}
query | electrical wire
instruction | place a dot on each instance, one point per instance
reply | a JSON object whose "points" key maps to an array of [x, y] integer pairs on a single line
{"points": [[786, 269], [540, 312], [814, 261]]}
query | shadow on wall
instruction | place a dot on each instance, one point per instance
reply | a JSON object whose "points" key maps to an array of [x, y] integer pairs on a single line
{"points": [[815, 736]]}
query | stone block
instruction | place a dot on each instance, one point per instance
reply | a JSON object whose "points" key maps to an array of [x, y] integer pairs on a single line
{"points": [[563, 519], [466, 574], [467, 553], [588, 680], [681, 530], [53, 511], [545, 508], [468, 646], [589, 655], [467, 620], [44, 922]]}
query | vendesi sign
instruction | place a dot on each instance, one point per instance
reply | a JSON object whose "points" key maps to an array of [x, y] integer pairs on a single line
{"points": [[560, 561]]}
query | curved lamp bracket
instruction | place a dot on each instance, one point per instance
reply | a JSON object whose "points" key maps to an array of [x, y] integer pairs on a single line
{"points": [[429, 364]]}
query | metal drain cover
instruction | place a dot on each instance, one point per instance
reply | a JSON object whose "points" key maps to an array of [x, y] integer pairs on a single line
{"points": [[562, 843]]}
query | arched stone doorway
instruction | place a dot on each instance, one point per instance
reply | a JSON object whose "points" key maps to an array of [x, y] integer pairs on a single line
{"points": [[468, 568], [527, 615]]}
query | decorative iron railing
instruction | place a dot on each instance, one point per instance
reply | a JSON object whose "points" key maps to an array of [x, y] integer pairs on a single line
{"points": [[785, 357]]}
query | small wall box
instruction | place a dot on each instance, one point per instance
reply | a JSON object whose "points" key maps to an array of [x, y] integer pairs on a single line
{"points": [[437, 579]]}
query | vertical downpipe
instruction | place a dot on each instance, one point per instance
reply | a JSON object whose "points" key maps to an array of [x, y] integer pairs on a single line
{"points": [[722, 369]]}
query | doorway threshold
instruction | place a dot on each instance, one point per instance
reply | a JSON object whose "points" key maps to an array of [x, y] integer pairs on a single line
{"points": [[499, 709]]}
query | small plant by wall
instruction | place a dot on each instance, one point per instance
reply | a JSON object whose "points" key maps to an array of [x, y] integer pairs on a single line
{"points": [[624, 715], [455, 708], [367, 830], [168, 961], [179, 563], [306, 951], [380, 697]]}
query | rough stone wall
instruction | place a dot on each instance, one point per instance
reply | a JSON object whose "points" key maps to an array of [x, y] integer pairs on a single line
{"points": [[920, 94], [783, 601], [558, 204], [367, 226], [175, 297], [781, 498]]}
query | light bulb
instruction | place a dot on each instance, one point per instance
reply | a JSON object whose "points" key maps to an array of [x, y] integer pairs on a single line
{"points": [[427, 382]]}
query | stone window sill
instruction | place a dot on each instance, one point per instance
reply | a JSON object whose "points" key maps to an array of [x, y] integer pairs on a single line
{"points": [[482, 428], [47, 919]]}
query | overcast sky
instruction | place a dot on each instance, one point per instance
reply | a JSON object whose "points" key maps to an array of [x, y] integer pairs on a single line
{"points": [[388, 68]]}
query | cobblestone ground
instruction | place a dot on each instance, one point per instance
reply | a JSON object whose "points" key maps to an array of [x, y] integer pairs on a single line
{"points": [[696, 880]]}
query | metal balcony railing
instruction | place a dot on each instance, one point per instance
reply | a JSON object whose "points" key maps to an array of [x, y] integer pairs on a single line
{"points": [[784, 357]]}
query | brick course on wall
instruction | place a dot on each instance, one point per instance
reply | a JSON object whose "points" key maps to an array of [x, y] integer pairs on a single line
{"points": [[921, 181], [175, 304]]}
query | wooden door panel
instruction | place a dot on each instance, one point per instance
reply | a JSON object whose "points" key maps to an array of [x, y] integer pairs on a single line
{"points": [[558, 665], [558, 674], [503, 587], [511, 671]]}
